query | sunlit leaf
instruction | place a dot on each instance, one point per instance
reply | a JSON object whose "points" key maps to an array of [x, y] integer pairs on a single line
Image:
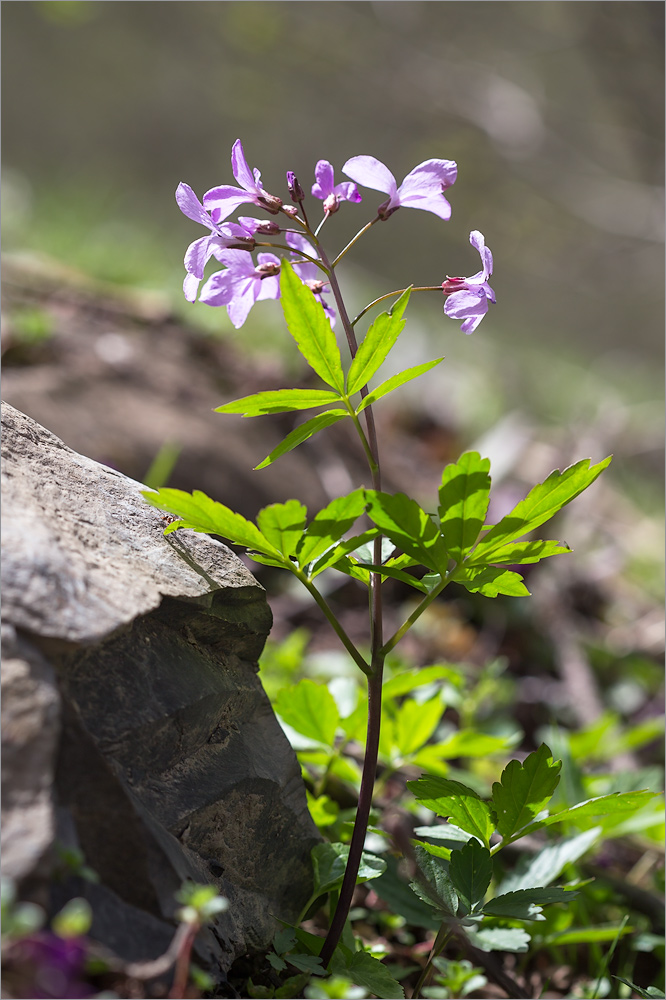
{"points": [[499, 939], [519, 553], [310, 709], [491, 581], [524, 789], [302, 433], [541, 503], [329, 525], [279, 401], [408, 526], [395, 382], [463, 502], [526, 904], [198, 512], [376, 344], [310, 328], [452, 800], [282, 524]]}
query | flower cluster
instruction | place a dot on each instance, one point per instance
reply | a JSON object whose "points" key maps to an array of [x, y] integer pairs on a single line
{"points": [[244, 281]]}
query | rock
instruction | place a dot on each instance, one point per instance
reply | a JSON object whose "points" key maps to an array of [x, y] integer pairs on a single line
{"points": [[135, 728]]}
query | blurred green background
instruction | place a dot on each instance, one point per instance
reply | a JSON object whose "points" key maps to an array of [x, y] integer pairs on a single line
{"points": [[553, 111]]}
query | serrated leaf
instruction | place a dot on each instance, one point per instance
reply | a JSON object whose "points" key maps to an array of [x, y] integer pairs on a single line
{"points": [[306, 963], [525, 904], [337, 553], [282, 524], [614, 804], [540, 504], [415, 722], [463, 502], [491, 581], [395, 382], [308, 325], [520, 553], [547, 864], [198, 512], [470, 871], [524, 790], [329, 525], [310, 709], [376, 344], [452, 800], [279, 401], [302, 433], [433, 885], [500, 939], [409, 527], [366, 971], [330, 860]]}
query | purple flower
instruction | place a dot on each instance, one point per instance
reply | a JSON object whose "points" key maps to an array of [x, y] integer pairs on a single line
{"points": [[222, 201], [221, 238], [468, 298], [56, 966], [423, 187], [332, 194], [242, 283], [308, 272]]}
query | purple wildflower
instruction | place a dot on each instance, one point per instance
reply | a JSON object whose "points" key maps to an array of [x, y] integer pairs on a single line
{"points": [[423, 187], [242, 283], [330, 193], [468, 298], [55, 965], [223, 200], [231, 235], [308, 272]]}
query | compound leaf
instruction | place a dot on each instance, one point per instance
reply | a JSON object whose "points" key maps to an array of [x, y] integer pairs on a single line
{"points": [[310, 328], [524, 789], [470, 871], [395, 381], [282, 524], [455, 801], [463, 502], [279, 401], [302, 433], [376, 344]]}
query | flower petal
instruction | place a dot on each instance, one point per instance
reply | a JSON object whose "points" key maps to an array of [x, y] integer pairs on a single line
{"points": [[372, 173], [245, 297], [469, 305], [197, 255], [324, 177], [478, 241], [223, 200], [347, 192], [190, 206], [190, 286], [240, 169]]}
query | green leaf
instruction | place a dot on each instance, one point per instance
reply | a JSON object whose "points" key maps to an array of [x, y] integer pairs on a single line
{"points": [[363, 571], [434, 885], [463, 502], [409, 527], [650, 992], [279, 401], [465, 743], [518, 553], [310, 328], [499, 939], [395, 381], [337, 554], [200, 513], [470, 871], [544, 867], [330, 860], [310, 709], [401, 899], [366, 971], [491, 581], [540, 504], [307, 963], [302, 433], [604, 805], [376, 344], [455, 801], [282, 524], [524, 790], [329, 525], [415, 722], [525, 904]]}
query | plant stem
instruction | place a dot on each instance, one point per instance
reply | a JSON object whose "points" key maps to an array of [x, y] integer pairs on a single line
{"points": [[335, 624], [415, 615], [389, 295], [353, 241], [376, 662], [183, 963], [443, 935]]}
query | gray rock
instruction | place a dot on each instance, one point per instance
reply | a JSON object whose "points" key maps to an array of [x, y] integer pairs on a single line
{"points": [[134, 724]]}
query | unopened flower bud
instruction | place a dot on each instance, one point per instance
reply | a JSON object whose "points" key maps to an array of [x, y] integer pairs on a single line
{"points": [[268, 228], [243, 244], [331, 204], [452, 285], [385, 211], [270, 202], [295, 190], [290, 210], [267, 270], [316, 286]]}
